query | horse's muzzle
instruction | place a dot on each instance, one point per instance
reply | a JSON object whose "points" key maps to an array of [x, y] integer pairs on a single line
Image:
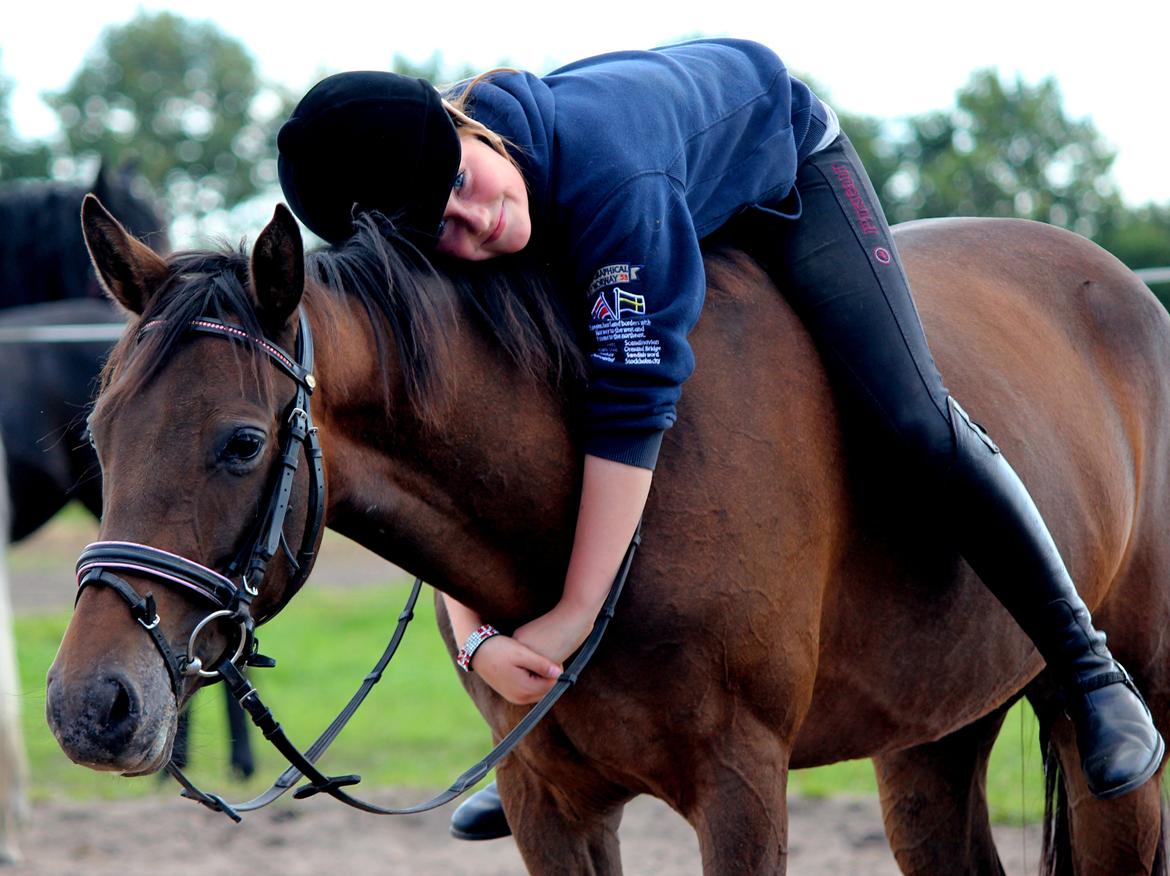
{"points": [[107, 721]]}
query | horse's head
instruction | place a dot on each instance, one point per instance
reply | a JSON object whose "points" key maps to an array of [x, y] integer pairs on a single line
{"points": [[194, 428]]}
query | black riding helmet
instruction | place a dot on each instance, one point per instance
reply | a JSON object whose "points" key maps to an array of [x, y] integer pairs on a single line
{"points": [[368, 140]]}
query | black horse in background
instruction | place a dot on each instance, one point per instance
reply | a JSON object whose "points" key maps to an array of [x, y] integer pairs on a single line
{"points": [[42, 254], [46, 279], [46, 396]]}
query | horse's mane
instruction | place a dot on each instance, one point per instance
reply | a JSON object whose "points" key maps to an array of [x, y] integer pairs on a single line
{"points": [[42, 253], [411, 299]]}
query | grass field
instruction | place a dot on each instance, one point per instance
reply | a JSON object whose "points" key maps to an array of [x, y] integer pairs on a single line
{"points": [[418, 728]]}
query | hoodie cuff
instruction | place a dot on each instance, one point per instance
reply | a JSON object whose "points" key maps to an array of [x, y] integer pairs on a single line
{"points": [[630, 448]]}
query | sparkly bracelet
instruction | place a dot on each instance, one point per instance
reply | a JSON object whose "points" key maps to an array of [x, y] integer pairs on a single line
{"points": [[477, 638]]}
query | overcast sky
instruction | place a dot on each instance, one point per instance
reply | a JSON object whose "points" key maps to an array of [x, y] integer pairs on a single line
{"points": [[882, 59]]}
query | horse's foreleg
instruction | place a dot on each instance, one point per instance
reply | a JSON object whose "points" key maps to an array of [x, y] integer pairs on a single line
{"points": [[559, 833], [934, 804], [738, 807], [1091, 837]]}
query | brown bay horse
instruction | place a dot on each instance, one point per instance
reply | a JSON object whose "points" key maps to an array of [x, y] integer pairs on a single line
{"points": [[791, 604]]}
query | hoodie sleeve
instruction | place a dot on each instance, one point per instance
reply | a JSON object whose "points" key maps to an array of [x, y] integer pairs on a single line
{"points": [[644, 283]]}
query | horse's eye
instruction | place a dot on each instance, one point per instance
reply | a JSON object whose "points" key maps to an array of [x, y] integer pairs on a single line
{"points": [[242, 447], [87, 434]]}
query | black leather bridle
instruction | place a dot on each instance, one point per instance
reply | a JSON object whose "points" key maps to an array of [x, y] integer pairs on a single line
{"points": [[230, 594], [232, 601]]}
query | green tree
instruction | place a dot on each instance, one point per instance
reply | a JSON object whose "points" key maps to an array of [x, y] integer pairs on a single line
{"points": [[1140, 237], [870, 137], [1006, 150], [17, 158], [183, 102]]}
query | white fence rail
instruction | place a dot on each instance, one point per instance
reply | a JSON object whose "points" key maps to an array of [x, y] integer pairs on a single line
{"points": [[1154, 275], [61, 334]]}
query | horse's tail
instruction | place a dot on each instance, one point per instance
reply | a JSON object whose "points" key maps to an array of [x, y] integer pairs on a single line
{"points": [[1056, 858], [1056, 845]]}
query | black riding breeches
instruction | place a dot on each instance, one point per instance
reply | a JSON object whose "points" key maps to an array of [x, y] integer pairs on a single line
{"points": [[840, 271]]}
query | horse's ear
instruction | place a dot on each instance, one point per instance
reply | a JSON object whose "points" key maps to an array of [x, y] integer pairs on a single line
{"points": [[129, 270], [101, 182], [278, 269]]}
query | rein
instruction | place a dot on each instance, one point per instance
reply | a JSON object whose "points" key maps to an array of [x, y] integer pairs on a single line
{"points": [[304, 764], [232, 601]]}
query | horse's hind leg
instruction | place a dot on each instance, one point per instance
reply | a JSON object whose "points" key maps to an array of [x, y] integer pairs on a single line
{"points": [[934, 802]]}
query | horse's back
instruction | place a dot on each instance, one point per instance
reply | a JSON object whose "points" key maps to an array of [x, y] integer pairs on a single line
{"points": [[1061, 353], [1048, 341], [1082, 406], [1064, 354]]}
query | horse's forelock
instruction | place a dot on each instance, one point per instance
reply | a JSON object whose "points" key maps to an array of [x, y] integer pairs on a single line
{"points": [[200, 283]]}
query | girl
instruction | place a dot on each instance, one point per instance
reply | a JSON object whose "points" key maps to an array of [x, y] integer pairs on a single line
{"points": [[623, 163]]}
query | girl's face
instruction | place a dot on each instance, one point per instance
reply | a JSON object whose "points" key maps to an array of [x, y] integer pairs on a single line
{"points": [[487, 213]]}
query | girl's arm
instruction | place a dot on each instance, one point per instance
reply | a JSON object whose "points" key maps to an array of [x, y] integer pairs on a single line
{"points": [[514, 671], [613, 496]]}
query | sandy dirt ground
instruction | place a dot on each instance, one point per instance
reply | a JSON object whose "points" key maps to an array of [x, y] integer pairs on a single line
{"points": [[837, 837], [834, 837]]}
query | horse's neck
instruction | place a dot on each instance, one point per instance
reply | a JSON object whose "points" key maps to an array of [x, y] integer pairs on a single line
{"points": [[480, 504]]}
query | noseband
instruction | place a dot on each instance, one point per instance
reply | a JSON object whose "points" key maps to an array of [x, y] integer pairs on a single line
{"points": [[230, 594], [230, 597]]}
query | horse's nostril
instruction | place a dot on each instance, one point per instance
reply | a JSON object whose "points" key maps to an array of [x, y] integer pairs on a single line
{"points": [[122, 705], [116, 708], [99, 724]]}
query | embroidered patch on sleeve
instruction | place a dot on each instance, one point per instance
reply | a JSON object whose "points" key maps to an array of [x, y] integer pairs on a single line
{"points": [[611, 275], [619, 324]]}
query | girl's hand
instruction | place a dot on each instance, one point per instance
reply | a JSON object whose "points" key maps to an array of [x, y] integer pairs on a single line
{"points": [[514, 671], [557, 634]]}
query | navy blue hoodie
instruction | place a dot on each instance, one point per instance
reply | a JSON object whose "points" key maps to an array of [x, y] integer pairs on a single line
{"points": [[630, 159]]}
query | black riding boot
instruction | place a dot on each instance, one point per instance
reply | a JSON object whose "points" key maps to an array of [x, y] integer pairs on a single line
{"points": [[480, 816], [1006, 542]]}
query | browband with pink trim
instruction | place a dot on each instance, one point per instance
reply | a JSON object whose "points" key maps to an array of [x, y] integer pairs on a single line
{"points": [[155, 563], [222, 329]]}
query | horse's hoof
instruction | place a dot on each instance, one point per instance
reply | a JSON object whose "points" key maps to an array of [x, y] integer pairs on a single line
{"points": [[480, 817]]}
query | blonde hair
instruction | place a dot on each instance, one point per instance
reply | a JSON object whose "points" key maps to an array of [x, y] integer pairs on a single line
{"points": [[456, 108]]}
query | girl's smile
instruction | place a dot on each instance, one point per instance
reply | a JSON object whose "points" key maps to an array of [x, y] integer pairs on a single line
{"points": [[487, 211]]}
